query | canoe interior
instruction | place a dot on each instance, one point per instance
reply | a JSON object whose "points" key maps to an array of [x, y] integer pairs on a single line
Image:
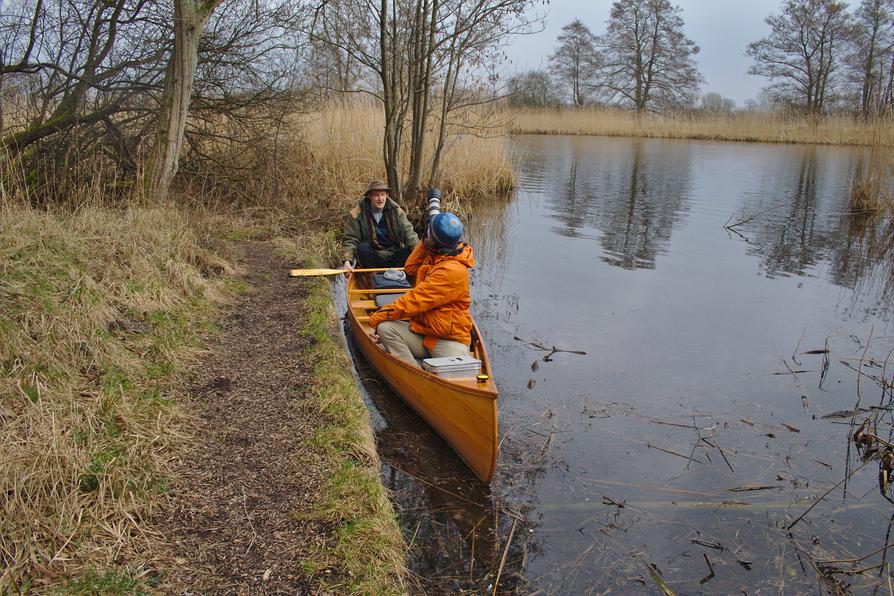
{"points": [[463, 411]]}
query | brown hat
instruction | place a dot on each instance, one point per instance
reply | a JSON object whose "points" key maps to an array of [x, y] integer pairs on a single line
{"points": [[377, 185]]}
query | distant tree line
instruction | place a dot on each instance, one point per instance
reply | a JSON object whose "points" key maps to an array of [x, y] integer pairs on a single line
{"points": [[818, 56]]}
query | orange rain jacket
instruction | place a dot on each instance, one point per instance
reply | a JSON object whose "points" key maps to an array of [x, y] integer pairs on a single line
{"points": [[438, 306]]}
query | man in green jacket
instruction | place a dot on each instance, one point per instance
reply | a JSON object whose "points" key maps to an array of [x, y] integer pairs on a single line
{"points": [[377, 232]]}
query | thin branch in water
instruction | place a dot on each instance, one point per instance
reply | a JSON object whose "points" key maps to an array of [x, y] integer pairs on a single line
{"points": [[825, 494], [650, 446], [503, 558], [710, 575], [729, 226]]}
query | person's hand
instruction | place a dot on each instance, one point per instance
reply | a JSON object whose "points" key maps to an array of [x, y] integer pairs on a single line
{"points": [[348, 267], [375, 338]]}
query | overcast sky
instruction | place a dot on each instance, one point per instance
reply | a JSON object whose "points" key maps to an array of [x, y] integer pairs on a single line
{"points": [[721, 28]]}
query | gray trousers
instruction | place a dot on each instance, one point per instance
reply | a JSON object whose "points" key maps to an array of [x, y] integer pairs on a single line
{"points": [[406, 345]]}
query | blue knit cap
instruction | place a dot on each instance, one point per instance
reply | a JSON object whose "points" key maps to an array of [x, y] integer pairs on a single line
{"points": [[445, 230]]}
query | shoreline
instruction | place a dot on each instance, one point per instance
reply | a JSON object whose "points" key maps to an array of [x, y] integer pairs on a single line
{"points": [[752, 127]]}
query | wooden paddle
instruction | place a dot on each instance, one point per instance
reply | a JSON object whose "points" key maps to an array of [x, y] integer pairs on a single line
{"points": [[318, 272]]}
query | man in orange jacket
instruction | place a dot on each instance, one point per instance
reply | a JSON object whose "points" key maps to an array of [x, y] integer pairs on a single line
{"points": [[432, 320]]}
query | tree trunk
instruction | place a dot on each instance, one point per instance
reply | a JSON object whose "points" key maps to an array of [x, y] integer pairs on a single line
{"points": [[868, 72], [449, 88], [426, 23], [190, 17]]}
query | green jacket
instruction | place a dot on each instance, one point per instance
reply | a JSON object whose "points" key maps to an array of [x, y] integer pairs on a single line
{"points": [[360, 227]]}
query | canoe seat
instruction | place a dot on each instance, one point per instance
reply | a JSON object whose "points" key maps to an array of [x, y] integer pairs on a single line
{"points": [[383, 299], [367, 304]]}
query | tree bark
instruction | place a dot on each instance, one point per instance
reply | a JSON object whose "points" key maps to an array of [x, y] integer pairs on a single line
{"points": [[190, 17], [426, 24]]}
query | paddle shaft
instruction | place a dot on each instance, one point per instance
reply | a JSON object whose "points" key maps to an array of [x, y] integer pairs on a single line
{"points": [[319, 272]]}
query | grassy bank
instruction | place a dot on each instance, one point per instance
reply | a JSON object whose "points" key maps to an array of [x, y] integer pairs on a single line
{"points": [[102, 312], [367, 545], [735, 126]]}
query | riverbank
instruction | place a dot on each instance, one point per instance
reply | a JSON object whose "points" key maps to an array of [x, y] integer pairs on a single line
{"points": [[109, 319], [734, 126]]}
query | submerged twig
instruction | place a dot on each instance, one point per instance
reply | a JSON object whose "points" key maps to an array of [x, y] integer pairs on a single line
{"points": [[710, 576], [659, 581], [650, 446], [722, 454], [825, 370], [505, 553], [824, 495], [552, 350], [729, 226]]}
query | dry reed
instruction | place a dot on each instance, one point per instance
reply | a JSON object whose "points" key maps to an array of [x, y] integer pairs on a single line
{"points": [[98, 311], [337, 150], [735, 126], [872, 190]]}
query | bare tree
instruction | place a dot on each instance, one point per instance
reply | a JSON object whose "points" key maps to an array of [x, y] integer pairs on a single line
{"points": [[420, 52], [90, 77], [474, 32], [82, 61], [533, 89], [576, 60], [872, 55], [717, 104], [648, 62], [803, 52]]}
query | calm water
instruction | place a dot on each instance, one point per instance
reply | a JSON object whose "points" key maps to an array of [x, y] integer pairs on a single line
{"points": [[681, 443]]}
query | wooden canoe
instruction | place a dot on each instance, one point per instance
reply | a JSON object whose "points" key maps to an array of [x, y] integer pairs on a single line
{"points": [[463, 411]]}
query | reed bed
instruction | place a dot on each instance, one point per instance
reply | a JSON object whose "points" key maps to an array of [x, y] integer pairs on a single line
{"points": [[99, 309], [336, 151], [735, 126], [872, 190]]}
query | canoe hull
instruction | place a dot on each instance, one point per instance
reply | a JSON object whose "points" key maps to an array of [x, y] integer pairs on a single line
{"points": [[462, 411]]}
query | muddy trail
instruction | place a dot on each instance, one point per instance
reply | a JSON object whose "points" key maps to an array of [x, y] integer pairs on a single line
{"points": [[230, 524]]}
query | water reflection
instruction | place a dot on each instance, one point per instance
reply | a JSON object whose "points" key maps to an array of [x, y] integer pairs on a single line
{"points": [[810, 224], [863, 261], [629, 195], [638, 225]]}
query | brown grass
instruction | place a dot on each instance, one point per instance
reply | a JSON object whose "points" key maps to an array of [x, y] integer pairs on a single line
{"points": [[736, 126], [99, 309]]}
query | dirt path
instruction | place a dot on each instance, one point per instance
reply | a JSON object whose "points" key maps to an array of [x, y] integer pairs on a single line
{"points": [[230, 524]]}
